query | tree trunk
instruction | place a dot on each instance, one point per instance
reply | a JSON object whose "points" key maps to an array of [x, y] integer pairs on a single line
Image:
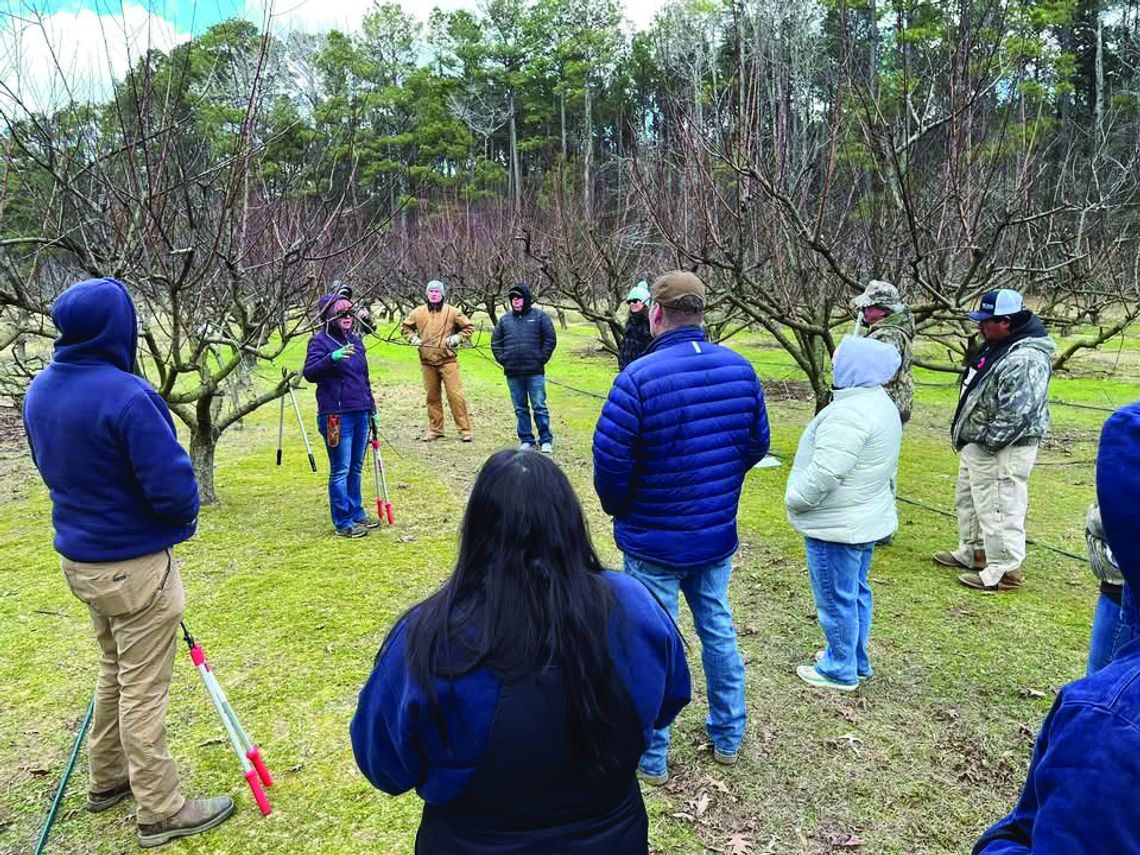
{"points": [[202, 446], [203, 442], [516, 172], [587, 156]]}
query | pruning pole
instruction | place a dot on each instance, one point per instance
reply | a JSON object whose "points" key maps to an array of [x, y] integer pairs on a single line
{"points": [[383, 505], [50, 821], [304, 433], [281, 429], [249, 757]]}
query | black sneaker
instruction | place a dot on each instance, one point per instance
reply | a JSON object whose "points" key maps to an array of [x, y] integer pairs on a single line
{"points": [[368, 522], [355, 530]]}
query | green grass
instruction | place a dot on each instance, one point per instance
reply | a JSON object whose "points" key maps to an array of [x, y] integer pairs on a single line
{"points": [[918, 761]]}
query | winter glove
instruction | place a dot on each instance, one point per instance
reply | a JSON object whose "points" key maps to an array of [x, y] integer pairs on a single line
{"points": [[416, 341], [453, 341], [343, 352], [374, 422]]}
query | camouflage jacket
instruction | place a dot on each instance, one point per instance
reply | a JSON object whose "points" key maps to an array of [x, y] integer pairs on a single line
{"points": [[1011, 402], [897, 329]]}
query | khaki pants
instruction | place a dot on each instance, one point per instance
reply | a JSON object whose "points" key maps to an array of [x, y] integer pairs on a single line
{"points": [[992, 498], [135, 606], [448, 375]]}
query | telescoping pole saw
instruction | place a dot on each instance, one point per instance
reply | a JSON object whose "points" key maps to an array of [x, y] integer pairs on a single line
{"points": [[383, 505], [247, 753]]}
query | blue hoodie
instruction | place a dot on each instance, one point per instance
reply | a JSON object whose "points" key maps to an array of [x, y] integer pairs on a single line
{"points": [[121, 486], [1086, 761]]}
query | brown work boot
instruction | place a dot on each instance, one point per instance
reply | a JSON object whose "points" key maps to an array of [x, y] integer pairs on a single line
{"points": [[949, 559], [97, 802], [196, 816], [1008, 582]]}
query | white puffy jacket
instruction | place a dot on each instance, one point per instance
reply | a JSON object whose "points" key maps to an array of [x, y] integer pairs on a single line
{"points": [[840, 486]]}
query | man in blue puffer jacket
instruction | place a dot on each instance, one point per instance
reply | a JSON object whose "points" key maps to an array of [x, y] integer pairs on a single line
{"points": [[123, 494], [682, 426], [1086, 761]]}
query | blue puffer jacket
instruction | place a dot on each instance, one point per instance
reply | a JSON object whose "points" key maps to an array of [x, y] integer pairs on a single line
{"points": [[523, 342], [682, 427], [1086, 761], [342, 385], [121, 485]]}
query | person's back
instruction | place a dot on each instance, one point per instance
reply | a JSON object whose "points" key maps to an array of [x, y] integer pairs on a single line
{"points": [[682, 427], [495, 741], [123, 494], [103, 439]]}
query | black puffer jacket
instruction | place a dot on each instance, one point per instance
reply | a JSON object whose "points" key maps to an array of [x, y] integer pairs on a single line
{"points": [[636, 340], [523, 341]]}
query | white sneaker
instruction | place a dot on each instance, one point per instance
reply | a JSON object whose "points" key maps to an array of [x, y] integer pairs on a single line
{"points": [[526, 446], [547, 448]]}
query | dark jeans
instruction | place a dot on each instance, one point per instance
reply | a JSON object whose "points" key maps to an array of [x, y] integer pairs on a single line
{"points": [[532, 386], [346, 463]]}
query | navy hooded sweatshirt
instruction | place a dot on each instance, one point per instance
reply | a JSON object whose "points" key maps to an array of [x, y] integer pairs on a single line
{"points": [[121, 486], [506, 780], [1086, 761]]}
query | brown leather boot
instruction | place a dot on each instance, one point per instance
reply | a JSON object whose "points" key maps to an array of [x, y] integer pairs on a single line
{"points": [[97, 802], [949, 559], [196, 816]]}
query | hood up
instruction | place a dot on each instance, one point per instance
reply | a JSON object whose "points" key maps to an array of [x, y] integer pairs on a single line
{"points": [[97, 323], [863, 362]]}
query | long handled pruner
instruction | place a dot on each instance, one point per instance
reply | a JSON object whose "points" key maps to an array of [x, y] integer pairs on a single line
{"points": [[383, 504], [300, 423], [247, 753]]}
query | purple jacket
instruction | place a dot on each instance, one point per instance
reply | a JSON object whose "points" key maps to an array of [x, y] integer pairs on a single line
{"points": [[342, 385]]}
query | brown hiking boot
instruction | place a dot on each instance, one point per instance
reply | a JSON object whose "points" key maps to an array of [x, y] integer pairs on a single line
{"points": [[1008, 582], [949, 559], [97, 802], [196, 816]]}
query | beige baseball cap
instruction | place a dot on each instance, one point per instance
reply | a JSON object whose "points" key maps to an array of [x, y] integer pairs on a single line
{"points": [[670, 287]]}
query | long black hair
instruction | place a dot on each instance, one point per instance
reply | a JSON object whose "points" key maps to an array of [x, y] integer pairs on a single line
{"points": [[527, 594]]}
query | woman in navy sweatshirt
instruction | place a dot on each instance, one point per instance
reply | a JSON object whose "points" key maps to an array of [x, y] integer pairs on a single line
{"points": [[336, 362], [518, 698]]}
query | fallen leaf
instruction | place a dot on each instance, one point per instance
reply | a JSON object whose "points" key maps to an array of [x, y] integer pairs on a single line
{"points": [[848, 841], [702, 803], [738, 845], [1031, 693]]}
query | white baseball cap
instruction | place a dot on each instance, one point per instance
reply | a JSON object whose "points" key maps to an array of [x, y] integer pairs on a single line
{"points": [[997, 304]]}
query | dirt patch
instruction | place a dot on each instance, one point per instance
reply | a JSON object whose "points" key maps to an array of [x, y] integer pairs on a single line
{"points": [[16, 469], [787, 390]]}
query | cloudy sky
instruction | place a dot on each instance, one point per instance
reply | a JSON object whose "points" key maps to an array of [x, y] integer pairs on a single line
{"points": [[50, 49]]}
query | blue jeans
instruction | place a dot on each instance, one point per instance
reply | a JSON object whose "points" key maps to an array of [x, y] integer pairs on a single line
{"points": [[531, 386], [1110, 632], [346, 463], [843, 603], [706, 591]]}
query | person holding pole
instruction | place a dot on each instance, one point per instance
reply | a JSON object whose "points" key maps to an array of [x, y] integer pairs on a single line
{"points": [[437, 328], [336, 363], [123, 495]]}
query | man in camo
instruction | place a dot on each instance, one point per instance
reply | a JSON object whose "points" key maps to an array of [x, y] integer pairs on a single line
{"points": [[890, 321], [1003, 412]]}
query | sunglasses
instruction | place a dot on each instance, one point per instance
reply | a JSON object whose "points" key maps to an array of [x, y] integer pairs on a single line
{"points": [[631, 302]]}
